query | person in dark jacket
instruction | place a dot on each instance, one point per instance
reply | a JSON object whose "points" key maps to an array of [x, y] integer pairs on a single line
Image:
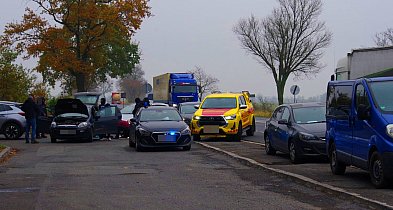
{"points": [[31, 113], [41, 123], [138, 105]]}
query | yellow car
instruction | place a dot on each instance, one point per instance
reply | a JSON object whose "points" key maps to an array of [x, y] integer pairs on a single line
{"points": [[224, 115]]}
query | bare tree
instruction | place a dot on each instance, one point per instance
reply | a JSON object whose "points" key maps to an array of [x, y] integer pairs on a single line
{"points": [[289, 41], [134, 85], [385, 38], [206, 82], [104, 86]]}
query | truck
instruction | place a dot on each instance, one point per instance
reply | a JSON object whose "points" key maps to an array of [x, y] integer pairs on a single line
{"points": [[175, 88], [365, 63]]}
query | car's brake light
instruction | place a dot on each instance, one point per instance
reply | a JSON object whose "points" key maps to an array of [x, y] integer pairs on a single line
{"points": [[22, 113]]}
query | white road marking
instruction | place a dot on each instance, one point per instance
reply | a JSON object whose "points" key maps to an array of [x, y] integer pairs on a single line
{"points": [[298, 176], [253, 142]]}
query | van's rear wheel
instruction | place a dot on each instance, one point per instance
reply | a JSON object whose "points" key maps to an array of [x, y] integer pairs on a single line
{"points": [[336, 166], [377, 173]]}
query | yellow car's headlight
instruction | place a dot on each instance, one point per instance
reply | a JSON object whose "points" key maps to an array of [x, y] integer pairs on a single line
{"points": [[231, 117], [196, 117]]}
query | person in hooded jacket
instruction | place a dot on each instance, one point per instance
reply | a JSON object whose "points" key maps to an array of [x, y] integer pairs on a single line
{"points": [[32, 111]]}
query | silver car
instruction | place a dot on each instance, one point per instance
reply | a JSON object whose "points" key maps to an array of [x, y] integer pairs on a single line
{"points": [[12, 120]]}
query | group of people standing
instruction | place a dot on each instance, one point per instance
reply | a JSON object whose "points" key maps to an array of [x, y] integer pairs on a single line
{"points": [[32, 112]]}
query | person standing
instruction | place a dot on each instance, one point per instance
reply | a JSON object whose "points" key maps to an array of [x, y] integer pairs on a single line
{"points": [[138, 104], [40, 131], [31, 113]]}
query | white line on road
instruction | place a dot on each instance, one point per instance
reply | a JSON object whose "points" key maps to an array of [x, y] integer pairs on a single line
{"points": [[298, 176], [253, 142]]}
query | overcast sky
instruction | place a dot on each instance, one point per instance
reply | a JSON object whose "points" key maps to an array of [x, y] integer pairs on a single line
{"points": [[183, 34]]}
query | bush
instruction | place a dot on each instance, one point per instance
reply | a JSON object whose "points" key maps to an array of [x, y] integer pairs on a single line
{"points": [[264, 109]]}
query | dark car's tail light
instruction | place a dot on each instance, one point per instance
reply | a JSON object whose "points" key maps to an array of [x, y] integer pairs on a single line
{"points": [[123, 123]]}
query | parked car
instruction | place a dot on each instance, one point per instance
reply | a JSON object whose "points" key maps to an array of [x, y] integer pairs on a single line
{"points": [[12, 120], [73, 120], [224, 115], [187, 110], [360, 127], [124, 124], [298, 129], [159, 126], [159, 104]]}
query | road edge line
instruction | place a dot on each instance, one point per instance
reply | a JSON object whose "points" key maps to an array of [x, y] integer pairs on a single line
{"points": [[298, 177], [5, 152]]}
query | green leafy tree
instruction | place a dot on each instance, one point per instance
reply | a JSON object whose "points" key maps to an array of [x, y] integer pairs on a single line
{"points": [[15, 82]]}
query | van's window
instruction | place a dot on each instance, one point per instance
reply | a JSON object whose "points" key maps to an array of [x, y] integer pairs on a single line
{"points": [[361, 96], [339, 101], [242, 100], [382, 92]]}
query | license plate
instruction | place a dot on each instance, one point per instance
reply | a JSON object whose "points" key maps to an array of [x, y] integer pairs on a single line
{"points": [[167, 138], [211, 129], [68, 132]]}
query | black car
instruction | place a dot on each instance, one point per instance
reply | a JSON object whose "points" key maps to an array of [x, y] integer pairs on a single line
{"points": [[159, 126], [297, 129], [187, 110], [73, 120]]}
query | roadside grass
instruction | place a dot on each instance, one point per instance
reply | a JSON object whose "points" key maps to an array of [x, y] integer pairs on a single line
{"points": [[2, 147], [262, 113], [264, 109]]}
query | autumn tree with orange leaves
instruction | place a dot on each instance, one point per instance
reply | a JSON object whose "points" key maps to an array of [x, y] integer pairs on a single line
{"points": [[79, 42]]}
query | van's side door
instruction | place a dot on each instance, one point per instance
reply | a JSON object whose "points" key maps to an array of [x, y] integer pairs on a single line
{"points": [[342, 122], [362, 130]]}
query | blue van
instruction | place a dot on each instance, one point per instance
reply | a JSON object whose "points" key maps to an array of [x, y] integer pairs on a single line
{"points": [[359, 127]]}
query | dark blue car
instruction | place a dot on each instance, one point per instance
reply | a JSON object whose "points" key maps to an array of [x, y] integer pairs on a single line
{"points": [[360, 127], [296, 129]]}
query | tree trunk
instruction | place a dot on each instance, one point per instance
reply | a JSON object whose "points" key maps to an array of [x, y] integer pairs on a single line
{"points": [[80, 82], [280, 91]]}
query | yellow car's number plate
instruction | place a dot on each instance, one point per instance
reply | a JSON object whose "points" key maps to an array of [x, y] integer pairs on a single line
{"points": [[211, 129]]}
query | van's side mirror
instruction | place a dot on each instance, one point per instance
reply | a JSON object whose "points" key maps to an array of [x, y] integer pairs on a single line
{"points": [[283, 122], [363, 112], [196, 106], [243, 106]]}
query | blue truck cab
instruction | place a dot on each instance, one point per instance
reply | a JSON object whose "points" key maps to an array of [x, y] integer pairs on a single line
{"points": [[175, 88], [359, 127]]}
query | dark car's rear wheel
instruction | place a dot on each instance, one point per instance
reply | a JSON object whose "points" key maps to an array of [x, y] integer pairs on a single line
{"points": [[12, 130], [336, 166], [268, 146]]}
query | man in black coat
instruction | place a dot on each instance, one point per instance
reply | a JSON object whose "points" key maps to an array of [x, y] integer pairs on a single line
{"points": [[31, 113]]}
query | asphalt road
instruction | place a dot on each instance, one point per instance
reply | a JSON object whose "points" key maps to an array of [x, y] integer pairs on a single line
{"points": [[110, 175], [354, 181]]}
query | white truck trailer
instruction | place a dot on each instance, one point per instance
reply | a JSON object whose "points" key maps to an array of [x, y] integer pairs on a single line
{"points": [[366, 62]]}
